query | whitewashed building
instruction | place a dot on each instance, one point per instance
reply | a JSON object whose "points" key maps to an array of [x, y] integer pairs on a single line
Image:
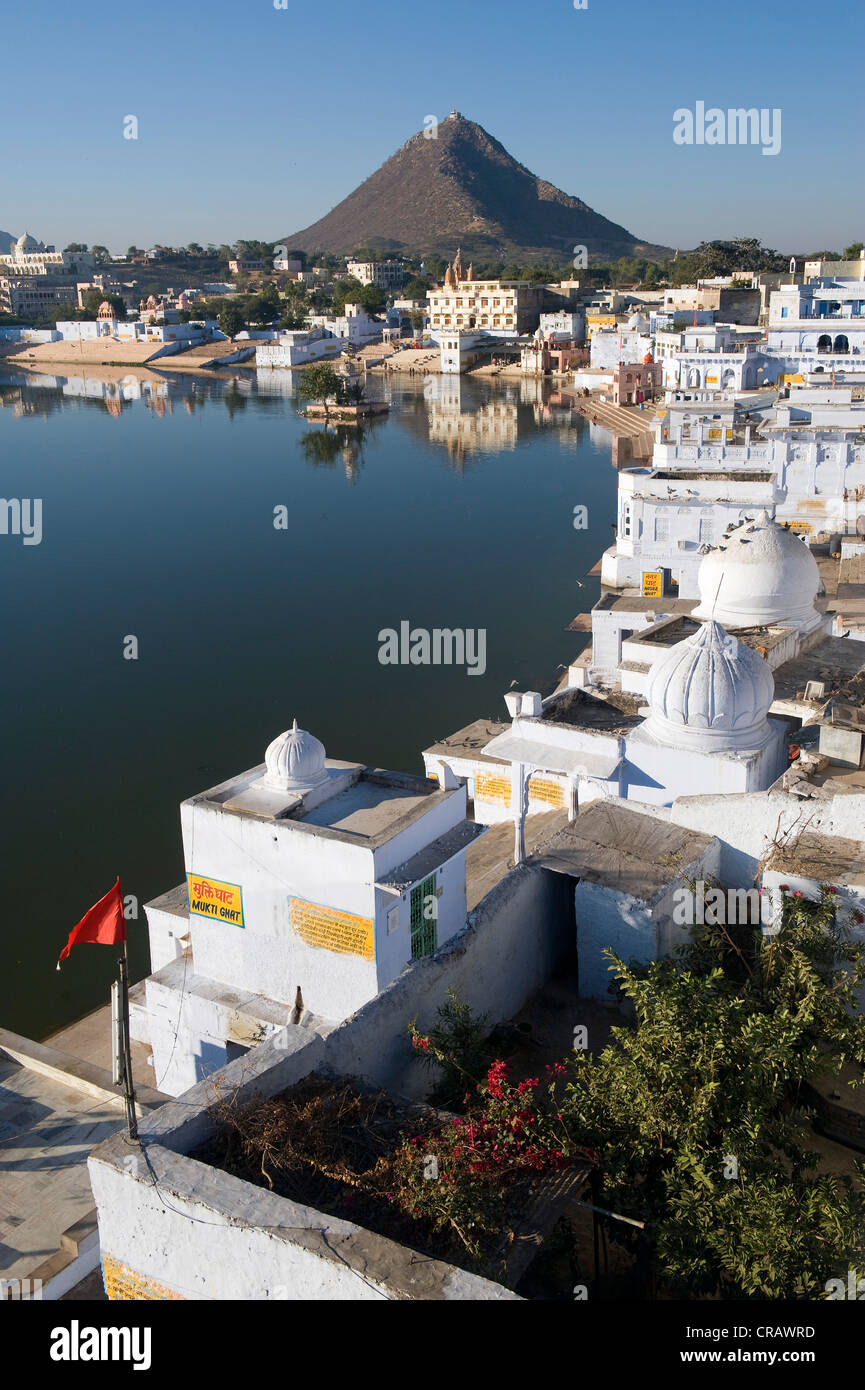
{"points": [[310, 884]]}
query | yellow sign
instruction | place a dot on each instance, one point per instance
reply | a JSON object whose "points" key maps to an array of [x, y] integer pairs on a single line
{"points": [[209, 897], [653, 584], [543, 789], [491, 788], [803, 526], [331, 930]]}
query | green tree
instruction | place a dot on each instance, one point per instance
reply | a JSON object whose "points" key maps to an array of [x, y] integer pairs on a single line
{"points": [[853, 251], [76, 246], [231, 319], [347, 290], [372, 299], [416, 288], [93, 299], [101, 253], [698, 1117], [320, 383]]}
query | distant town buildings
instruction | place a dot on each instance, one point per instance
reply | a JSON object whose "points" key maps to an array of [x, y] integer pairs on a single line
{"points": [[387, 275], [34, 277]]}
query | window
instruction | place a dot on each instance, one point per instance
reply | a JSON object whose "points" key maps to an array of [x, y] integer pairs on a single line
{"points": [[393, 919], [424, 912], [662, 528]]}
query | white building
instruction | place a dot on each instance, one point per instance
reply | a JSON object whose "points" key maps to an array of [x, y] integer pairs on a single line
{"points": [[296, 347], [387, 275], [355, 326], [310, 884], [826, 317]]}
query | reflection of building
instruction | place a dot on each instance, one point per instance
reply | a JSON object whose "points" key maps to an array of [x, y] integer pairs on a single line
{"points": [[463, 432]]}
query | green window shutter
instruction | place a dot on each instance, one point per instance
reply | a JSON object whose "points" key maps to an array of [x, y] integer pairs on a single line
{"points": [[424, 913]]}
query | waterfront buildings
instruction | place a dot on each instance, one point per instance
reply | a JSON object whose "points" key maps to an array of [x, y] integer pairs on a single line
{"points": [[503, 308]]}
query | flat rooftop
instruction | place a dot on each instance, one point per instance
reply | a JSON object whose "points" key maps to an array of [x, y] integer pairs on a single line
{"points": [[470, 741], [373, 808], [828, 858], [362, 803], [627, 850], [615, 713], [632, 601], [836, 661]]}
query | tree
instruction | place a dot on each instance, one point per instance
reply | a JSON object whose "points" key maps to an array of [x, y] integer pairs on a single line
{"points": [[132, 252], [101, 253], [76, 246], [194, 249], [231, 319], [292, 321], [347, 290], [853, 251], [697, 1114], [372, 299], [94, 298], [416, 288], [320, 383]]}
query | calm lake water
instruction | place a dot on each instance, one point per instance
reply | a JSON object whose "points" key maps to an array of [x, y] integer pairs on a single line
{"points": [[456, 511]]}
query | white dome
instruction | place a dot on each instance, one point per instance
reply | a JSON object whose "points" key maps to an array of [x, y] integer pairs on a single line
{"points": [[26, 243], [638, 323], [759, 574], [295, 761], [710, 692]]}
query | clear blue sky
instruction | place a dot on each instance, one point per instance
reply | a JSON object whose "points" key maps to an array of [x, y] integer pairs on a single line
{"points": [[255, 121]]}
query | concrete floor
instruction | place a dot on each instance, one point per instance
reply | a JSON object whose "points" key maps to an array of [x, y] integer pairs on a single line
{"points": [[47, 1129], [491, 857]]}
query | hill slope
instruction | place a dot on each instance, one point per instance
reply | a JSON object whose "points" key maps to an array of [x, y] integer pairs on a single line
{"points": [[463, 188]]}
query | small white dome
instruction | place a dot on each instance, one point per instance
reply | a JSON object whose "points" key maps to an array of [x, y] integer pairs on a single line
{"points": [[759, 574], [710, 692], [295, 761], [26, 243]]}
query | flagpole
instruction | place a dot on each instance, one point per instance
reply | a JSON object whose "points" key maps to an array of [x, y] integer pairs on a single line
{"points": [[122, 1045]]}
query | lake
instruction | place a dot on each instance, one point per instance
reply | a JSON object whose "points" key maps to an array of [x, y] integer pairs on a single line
{"points": [[455, 511]]}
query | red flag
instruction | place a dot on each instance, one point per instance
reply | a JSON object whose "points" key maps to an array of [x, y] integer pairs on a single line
{"points": [[103, 924]]}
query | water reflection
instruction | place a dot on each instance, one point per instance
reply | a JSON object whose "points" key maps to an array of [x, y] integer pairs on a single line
{"points": [[461, 416]]}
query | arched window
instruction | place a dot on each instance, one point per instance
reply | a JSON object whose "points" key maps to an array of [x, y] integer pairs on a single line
{"points": [[824, 343], [841, 343]]}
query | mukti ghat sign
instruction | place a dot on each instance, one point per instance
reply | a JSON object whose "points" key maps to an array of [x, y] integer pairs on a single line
{"points": [[210, 897]]}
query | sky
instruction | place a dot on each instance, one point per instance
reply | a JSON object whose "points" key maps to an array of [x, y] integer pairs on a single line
{"points": [[254, 121]]}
